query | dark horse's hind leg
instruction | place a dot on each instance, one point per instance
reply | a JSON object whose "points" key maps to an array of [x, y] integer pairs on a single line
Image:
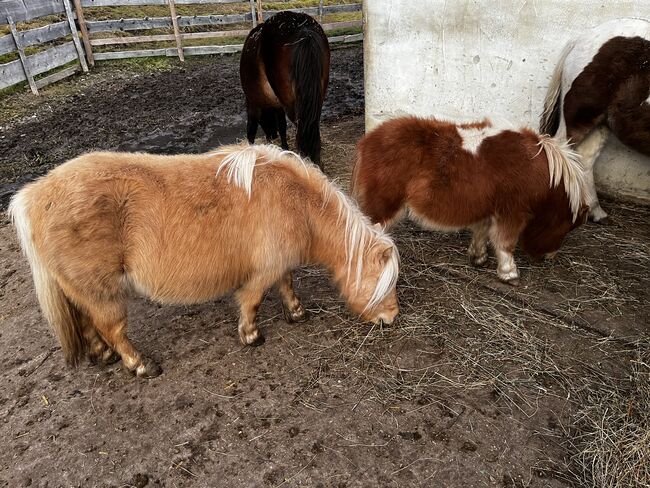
{"points": [[282, 127], [269, 124], [251, 126]]}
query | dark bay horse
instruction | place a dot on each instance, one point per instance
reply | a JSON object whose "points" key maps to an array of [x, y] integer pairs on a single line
{"points": [[284, 68], [507, 185], [601, 84]]}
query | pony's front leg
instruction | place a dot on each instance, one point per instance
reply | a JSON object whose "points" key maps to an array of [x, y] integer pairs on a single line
{"points": [[291, 306], [249, 297], [478, 248], [504, 236]]}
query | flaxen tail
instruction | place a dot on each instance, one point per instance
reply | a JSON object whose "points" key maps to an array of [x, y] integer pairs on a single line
{"points": [[550, 120], [61, 314]]}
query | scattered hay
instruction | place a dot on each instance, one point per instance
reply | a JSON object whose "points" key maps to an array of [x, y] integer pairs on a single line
{"points": [[459, 330]]}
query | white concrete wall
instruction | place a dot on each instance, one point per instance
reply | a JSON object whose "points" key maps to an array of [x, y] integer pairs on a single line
{"points": [[472, 58]]}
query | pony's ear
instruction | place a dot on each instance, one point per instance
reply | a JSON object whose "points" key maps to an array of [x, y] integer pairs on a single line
{"points": [[385, 254], [378, 226]]}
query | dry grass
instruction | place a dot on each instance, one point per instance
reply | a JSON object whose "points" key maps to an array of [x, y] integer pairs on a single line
{"points": [[459, 330]]}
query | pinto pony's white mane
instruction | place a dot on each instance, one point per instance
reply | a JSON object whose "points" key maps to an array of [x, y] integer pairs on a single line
{"points": [[361, 236], [564, 165]]}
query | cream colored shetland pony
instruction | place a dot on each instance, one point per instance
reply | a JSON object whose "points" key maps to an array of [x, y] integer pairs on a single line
{"points": [[186, 229]]}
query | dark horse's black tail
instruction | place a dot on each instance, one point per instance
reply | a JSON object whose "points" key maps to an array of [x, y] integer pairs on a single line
{"points": [[308, 63]]}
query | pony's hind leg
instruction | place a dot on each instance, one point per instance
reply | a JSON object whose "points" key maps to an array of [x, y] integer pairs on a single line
{"points": [[504, 235], [291, 306], [589, 149], [269, 124], [282, 127], [109, 319], [249, 297], [478, 248], [97, 349]]}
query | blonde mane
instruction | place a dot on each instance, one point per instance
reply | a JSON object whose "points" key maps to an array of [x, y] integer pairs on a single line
{"points": [[564, 165], [360, 235]]}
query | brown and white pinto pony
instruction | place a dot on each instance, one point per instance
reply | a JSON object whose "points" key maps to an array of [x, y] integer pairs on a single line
{"points": [[600, 84], [186, 229], [503, 184], [284, 67]]}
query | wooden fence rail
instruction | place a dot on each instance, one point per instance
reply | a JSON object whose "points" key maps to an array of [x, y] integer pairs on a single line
{"points": [[28, 66]]}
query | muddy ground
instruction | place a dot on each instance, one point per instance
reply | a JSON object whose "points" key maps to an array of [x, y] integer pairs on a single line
{"points": [[477, 384]]}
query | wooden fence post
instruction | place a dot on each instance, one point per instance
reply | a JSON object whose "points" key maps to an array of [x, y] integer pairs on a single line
{"points": [[253, 13], [84, 32], [177, 33], [260, 14], [23, 58], [75, 35], [320, 11]]}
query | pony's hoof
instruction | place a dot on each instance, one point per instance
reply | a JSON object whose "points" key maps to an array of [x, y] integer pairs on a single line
{"points": [[148, 369], [604, 221], [110, 357], [257, 341], [511, 281], [298, 315], [479, 261]]}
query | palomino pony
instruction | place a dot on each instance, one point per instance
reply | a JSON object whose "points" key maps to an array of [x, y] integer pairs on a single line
{"points": [[600, 84], [503, 184], [285, 67], [186, 229]]}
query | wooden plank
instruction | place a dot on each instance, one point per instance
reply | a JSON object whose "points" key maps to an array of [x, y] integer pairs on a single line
{"points": [[109, 41], [177, 33], [75, 35], [23, 58], [113, 3], [11, 73], [51, 58], [22, 10], [260, 12], [313, 11], [32, 37], [162, 22], [84, 32], [7, 44], [342, 25], [58, 76], [253, 14], [345, 39], [171, 52]]}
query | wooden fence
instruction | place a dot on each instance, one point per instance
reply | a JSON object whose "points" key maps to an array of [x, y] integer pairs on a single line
{"points": [[79, 52]]}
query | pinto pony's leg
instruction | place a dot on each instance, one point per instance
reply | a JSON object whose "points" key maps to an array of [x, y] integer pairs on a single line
{"points": [[504, 235], [291, 306], [478, 248], [589, 149]]}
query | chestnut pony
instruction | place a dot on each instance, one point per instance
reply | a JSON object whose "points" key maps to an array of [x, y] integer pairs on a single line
{"points": [[502, 183], [284, 68], [186, 229], [601, 84]]}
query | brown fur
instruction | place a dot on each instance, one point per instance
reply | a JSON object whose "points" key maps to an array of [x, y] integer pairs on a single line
{"points": [[105, 224], [503, 192]]}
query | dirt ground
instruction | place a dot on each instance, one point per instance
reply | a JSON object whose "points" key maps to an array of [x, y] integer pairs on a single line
{"points": [[477, 383]]}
